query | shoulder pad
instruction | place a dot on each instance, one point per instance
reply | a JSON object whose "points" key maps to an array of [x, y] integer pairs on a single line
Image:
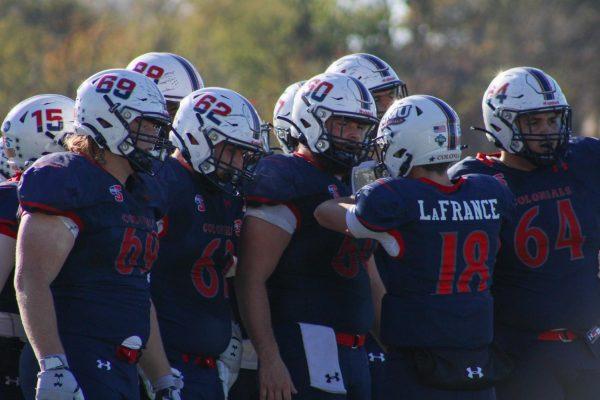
{"points": [[59, 182], [471, 165], [584, 151], [379, 205], [274, 181]]}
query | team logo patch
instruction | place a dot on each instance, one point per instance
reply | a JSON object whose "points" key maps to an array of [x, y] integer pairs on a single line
{"points": [[199, 200], [440, 139], [333, 191], [398, 118], [237, 227], [593, 334], [117, 192]]}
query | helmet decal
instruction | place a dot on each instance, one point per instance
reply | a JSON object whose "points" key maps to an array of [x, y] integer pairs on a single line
{"points": [[381, 67], [365, 96], [546, 88], [451, 116]]}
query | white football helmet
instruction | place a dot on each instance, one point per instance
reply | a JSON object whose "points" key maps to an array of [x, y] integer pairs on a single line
{"points": [[6, 171], [282, 118], [109, 102], [525, 91], [418, 130], [333, 95], [373, 72], [35, 127], [175, 76], [213, 115]]}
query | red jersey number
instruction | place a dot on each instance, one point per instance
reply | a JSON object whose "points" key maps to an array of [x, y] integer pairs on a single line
{"points": [[131, 249], [205, 276], [532, 244], [475, 252]]}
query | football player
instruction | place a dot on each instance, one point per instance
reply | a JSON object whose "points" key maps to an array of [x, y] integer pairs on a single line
{"points": [[34, 127], [175, 76], [219, 138], [282, 118], [441, 237], [546, 287], [303, 291], [86, 241], [377, 75], [385, 86]]}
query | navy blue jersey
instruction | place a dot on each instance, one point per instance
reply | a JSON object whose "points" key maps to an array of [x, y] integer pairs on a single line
{"points": [[547, 270], [102, 290], [321, 277], [197, 247], [438, 283], [9, 205]]}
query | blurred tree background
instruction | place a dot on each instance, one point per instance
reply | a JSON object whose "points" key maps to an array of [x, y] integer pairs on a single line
{"points": [[448, 48]]}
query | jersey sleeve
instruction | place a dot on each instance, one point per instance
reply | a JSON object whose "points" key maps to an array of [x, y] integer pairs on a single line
{"points": [[51, 186], [584, 153], [274, 182], [378, 213], [379, 206], [469, 165], [9, 205]]}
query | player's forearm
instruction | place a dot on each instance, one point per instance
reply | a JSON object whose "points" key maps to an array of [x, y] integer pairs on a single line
{"points": [[331, 214], [36, 307], [256, 315], [154, 360]]}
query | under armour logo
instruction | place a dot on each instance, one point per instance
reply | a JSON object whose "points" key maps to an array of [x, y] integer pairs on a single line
{"points": [[58, 377], [104, 364], [373, 357], [11, 381], [234, 349], [477, 372], [330, 378]]}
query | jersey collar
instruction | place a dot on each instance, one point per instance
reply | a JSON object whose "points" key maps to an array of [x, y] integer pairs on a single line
{"points": [[443, 188]]}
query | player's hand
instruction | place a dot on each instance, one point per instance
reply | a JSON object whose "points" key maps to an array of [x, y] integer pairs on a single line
{"points": [[168, 394], [230, 360], [57, 384], [169, 387], [275, 380]]}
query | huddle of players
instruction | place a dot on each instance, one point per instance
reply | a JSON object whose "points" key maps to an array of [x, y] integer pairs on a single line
{"points": [[309, 283]]}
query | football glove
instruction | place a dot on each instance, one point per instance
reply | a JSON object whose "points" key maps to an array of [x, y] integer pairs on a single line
{"points": [[228, 363], [55, 381]]}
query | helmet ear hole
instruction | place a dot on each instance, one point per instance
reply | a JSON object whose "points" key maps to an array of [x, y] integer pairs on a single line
{"points": [[191, 138], [104, 123], [406, 164], [399, 153], [305, 123]]}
